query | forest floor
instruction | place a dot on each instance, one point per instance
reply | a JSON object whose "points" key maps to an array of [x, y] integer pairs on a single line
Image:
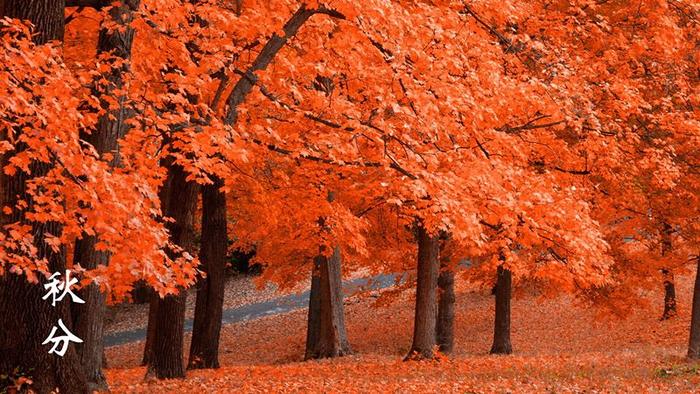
{"points": [[560, 347]]}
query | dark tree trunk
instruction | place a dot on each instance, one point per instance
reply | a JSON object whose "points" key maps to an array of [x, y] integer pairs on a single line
{"points": [[166, 357], [89, 317], [501, 327], [25, 318], [313, 326], [43, 14], [669, 285], [164, 196], [425, 322], [105, 139], [669, 295], [150, 328], [168, 341], [331, 340], [694, 343], [26, 321], [204, 350], [446, 307], [141, 293]]}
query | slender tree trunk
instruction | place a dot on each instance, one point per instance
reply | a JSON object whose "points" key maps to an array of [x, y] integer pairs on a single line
{"points": [[694, 343], [446, 307], [669, 295], [669, 283], [313, 326], [105, 139], [150, 328], [25, 318], [204, 350], [424, 333], [501, 327], [166, 357]]}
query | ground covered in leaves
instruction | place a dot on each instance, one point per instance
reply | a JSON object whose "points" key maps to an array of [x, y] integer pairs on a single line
{"points": [[560, 346]]}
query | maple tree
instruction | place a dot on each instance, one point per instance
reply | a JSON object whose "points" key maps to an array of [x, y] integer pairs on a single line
{"points": [[553, 145]]}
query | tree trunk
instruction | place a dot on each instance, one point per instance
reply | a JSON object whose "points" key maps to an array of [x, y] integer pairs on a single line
{"points": [[501, 327], [89, 317], [105, 139], [669, 285], [164, 196], [25, 318], [166, 357], [43, 14], [204, 350], [424, 334], [332, 338], [313, 326], [446, 307], [694, 343], [150, 328], [141, 293], [669, 295]]}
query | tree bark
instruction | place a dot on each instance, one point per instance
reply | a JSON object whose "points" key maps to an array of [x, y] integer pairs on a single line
{"points": [[332, 338], [669, 295], [141, 293], [204, 349], [25, 318], [424, 333], [150, 328], [313, 326], [43, 14], [694, 342], [153, 297], [446, 307], [501, 327], [89, 317], [667, 274], [166, 357], [105, 139]]}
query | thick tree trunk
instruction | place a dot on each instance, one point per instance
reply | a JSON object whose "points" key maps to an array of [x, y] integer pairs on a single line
{"points": [[669, 295], [446, 307], [326, 333], [167, 350], [26, 321], [43, 14], [153, 298], [168, 342], [89, 317], [694, 343], [141, 293], [425, 322], [25, 318], [105, 139], [501, 327], [204, 350], [313, 326], [334, 338]]}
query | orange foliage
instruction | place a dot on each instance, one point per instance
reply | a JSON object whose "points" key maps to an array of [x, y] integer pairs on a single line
{"points": [[547, 131]]}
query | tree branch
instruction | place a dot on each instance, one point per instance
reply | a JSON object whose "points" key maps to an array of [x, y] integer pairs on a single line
{"points": [[267, 54]]}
